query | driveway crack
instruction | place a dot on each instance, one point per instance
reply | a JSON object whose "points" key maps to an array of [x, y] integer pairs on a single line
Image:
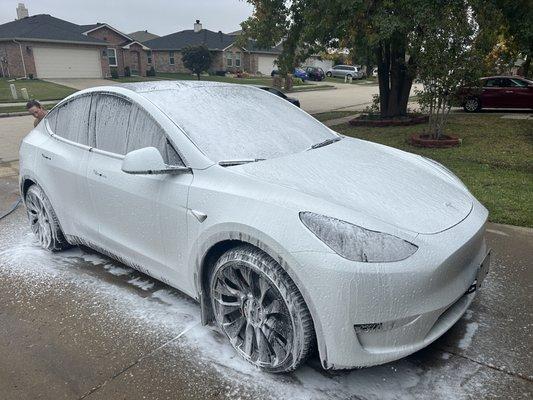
{"points": [[101, 385], [493, 367]]}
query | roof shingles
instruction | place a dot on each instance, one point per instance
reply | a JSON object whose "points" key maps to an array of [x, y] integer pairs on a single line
{"points": [[44, 27]]}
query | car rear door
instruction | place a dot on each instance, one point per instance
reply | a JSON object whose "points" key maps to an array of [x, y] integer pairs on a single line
{"points": [[140, 216], [63, 163]]}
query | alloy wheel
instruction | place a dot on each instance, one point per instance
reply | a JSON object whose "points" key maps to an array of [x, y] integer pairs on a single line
{"points": [[472, 104], [253, 314], [39, 219]]}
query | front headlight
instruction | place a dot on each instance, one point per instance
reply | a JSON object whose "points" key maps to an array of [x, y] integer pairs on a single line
{"points": [[356, 243]]}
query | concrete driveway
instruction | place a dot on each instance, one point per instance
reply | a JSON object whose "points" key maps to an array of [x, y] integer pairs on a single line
{"points": [[82, 83]]}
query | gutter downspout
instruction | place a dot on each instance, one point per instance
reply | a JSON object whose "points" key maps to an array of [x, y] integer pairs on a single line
{"points": [[22, 57]]}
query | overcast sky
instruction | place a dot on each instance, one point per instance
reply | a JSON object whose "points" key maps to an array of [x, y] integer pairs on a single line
{"points": [[158, 16]]}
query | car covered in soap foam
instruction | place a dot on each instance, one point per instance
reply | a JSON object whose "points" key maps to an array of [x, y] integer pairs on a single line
{"points": [[290, 235]]}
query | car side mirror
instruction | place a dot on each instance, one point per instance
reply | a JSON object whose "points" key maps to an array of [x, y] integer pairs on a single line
{"points": [[148, 161]]}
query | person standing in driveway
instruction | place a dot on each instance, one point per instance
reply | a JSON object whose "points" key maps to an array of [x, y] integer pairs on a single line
{"points": [[37, 110]]}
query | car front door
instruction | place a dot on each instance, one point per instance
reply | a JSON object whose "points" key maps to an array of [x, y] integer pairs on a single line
{"points": [[522, 94], [142, 218]]}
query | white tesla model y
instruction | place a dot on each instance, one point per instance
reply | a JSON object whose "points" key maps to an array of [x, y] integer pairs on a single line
{"points": [[289, 235]]}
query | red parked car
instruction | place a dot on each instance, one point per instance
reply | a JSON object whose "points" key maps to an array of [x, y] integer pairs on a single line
{"points": [[498, 92]]}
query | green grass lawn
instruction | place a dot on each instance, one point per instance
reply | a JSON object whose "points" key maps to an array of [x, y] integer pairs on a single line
{"points": [[267, 80], [326, 116], [37, 89], [365, 81], [495, 159]]}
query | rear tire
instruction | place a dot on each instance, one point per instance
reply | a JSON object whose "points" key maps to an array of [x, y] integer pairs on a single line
{"points": [[472, 104], [328, 74], [260, 310], [43, 220]]}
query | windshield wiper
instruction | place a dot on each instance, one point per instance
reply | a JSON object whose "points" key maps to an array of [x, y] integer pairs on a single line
{"points": [[229, 163], [325, 143]]}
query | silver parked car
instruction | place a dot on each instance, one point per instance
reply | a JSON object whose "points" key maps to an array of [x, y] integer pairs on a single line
{"points": [[341, 71]]}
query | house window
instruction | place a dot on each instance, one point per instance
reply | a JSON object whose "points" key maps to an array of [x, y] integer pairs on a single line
{"points": [[229, 60], [112, 57], [149, 55], [238, 59], [171, 57]]}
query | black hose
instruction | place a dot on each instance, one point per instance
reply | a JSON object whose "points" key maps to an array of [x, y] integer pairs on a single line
{"points": [[13, 208]]}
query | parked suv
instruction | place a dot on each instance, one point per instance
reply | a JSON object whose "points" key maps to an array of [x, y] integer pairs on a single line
{"points": [[341, 71]]}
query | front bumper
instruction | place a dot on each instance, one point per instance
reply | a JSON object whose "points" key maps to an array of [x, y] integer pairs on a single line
{"points": [[372, 313]]}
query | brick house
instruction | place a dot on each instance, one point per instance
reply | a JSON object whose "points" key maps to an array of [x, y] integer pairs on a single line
{"points": [[228, 56], [43, 46]]}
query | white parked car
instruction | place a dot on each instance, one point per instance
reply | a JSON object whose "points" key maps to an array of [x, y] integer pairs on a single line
{"points": [[288, 234], [341, 71]]}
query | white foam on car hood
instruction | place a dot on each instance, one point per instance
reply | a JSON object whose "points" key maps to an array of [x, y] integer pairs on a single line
{"points": [[393, 186]]}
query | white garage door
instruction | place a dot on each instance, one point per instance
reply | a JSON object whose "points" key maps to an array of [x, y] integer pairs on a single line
{"points": [[53, 62], [265, 64]]}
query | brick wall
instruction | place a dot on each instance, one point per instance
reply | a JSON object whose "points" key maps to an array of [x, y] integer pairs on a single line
{"points": [[125, 57], [161, 62]]}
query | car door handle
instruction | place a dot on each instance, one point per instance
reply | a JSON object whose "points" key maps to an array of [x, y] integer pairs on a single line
{"points": [[99, 174], [45, 156], [509, 91]]}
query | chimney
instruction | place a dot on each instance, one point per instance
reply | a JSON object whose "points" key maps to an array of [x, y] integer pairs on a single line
{"points": [[22, 11], [220, 36], [197, 26]]}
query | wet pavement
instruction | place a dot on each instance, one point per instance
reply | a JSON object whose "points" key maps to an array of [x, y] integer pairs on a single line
{"points": [[77, 325]]}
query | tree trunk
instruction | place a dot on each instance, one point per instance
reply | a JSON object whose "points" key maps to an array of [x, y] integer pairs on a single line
{"points": [[394, 76], [198, 75]]}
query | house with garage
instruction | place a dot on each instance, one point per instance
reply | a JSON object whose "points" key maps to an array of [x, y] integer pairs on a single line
{"points": [[228, 55], [43, 46]]}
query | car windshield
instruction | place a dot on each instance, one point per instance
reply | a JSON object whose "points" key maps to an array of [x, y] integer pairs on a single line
{"points": [[240, 122]]}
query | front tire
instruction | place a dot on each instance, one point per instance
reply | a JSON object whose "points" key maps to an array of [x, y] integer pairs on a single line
{"points": [[328, 74], [472, 104], [43, 220], [260, 310]]}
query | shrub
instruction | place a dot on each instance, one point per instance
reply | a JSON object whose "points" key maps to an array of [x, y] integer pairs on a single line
{"points": [[151, 71], [127, 71], [114, 72]]}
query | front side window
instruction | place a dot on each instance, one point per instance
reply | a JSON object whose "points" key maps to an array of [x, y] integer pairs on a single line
{"points": [[112, 117], [171, 57], [237, 59], [229, 60], [122, 126], [112, 57], [143, 132], [71, 120], [217, 119]]}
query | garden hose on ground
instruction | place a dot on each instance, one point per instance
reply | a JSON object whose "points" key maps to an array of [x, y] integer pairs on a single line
{"points": [[12, 208]]}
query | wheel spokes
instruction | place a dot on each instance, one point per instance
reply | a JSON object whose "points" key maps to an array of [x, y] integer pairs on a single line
{"points": [[252, 313]]}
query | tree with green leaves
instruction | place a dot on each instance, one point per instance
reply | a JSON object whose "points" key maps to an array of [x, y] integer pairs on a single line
{"points": [[447, 58], [198, 59], [389, 29]]}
